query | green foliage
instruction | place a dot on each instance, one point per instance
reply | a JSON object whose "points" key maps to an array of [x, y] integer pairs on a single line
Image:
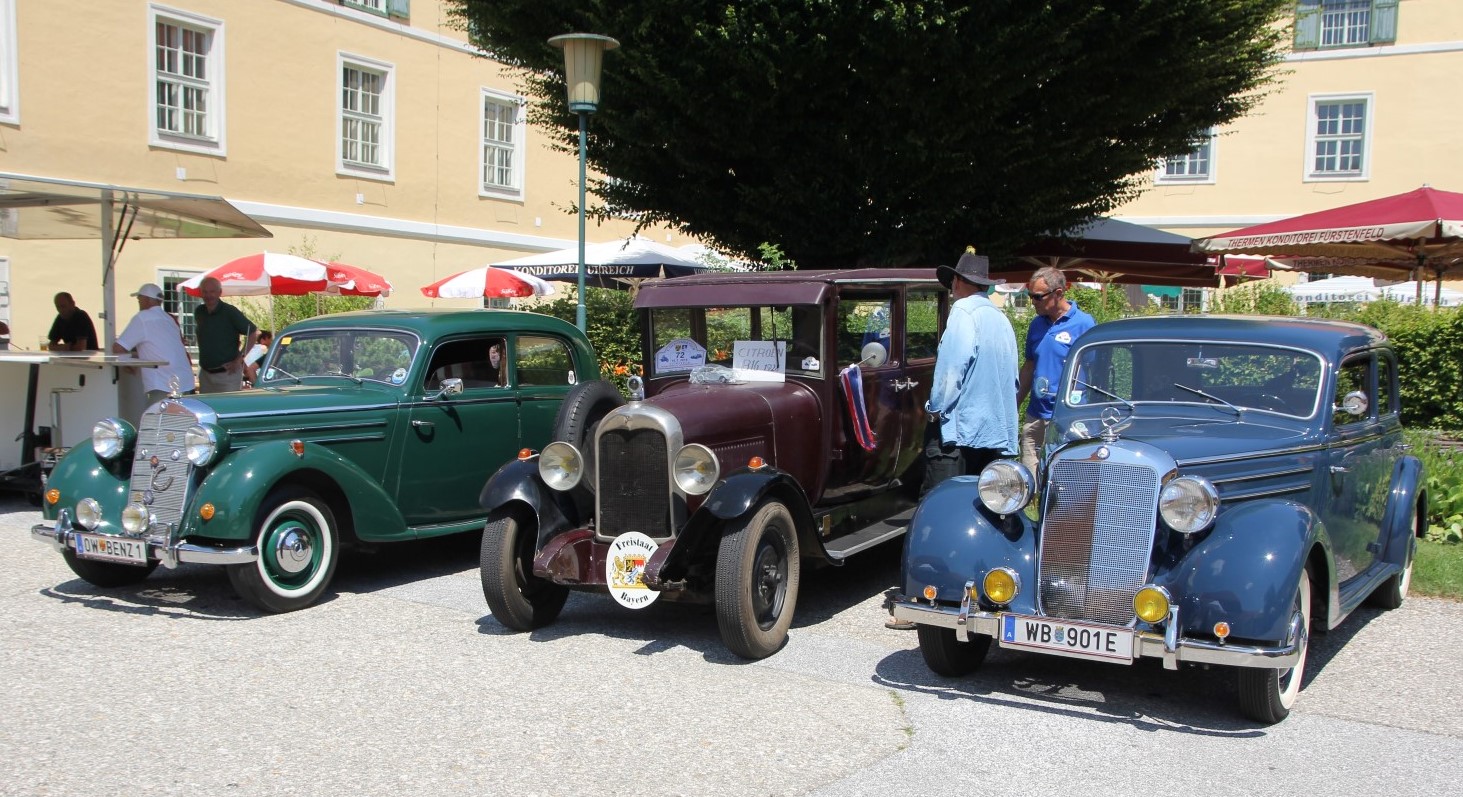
{"points": [[1105, 303], [886, 132], [613, 329], [1438, 570], [1429, 359], [1254, 299], [1443, 465], [277, 312]]}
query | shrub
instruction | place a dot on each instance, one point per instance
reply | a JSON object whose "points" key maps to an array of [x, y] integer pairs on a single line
{"points": [[613, 330]]}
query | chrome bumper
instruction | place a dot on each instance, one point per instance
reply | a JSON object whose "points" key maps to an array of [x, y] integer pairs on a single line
{"points": [[61, 536], [1166, 646]]}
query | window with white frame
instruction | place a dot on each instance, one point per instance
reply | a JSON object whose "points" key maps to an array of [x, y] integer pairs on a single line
{"points": [[1338, 138], [9, 65], [378, 6], [365, 117], [502, 145], [180, 305], [187, 81], [1195, 166], [1322, 24]]}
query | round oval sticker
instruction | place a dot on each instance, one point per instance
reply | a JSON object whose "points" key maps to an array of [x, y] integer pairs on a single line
{"points": [[625, 570]]}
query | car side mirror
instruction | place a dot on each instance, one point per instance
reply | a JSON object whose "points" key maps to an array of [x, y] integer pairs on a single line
{"points": [[1042, 387], [874, 354], [450, 387], [1354, 403]]}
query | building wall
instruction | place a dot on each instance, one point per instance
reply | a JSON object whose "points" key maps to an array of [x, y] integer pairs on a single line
{"points": [[82, 112], [1260, 160]]}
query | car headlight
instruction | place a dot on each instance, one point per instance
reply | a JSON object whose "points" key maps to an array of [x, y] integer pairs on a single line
{"points": [[560, 466], [111, 437], [134, 518], [1001, 585], [1188, 504], [696, 469], [202, 444], [88, 513], [1006, 486]]}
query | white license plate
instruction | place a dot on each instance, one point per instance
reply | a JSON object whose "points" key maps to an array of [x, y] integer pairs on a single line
{"points": [[1069, 639], [112, 549]]}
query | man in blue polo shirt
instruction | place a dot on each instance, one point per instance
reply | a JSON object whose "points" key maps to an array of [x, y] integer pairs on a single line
{"points": [[1058, 323]]}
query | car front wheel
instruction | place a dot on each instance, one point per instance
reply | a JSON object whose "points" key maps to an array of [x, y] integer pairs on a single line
{"points": [[517, 598], [298, 543], [757, 581], [951, 653], [1265, 694]]}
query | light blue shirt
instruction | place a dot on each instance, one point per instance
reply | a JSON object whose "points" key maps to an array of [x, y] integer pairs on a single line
{"points": [[974, 393]]}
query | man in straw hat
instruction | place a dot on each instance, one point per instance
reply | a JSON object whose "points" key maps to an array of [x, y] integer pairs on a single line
{"points": [[972, 402]]}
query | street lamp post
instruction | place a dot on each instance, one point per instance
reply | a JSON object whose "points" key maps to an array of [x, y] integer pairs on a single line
{"points": [[583, 56]]}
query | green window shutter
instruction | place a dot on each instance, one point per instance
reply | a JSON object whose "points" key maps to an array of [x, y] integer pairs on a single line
{"points": [[1307, 24], [398, 8], [1384, 21]]}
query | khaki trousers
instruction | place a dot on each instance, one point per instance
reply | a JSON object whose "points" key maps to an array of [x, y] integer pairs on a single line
{"points": [[1033, 434]]}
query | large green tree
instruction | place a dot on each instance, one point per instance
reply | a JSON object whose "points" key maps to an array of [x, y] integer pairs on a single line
{"points": [[886, 132]]}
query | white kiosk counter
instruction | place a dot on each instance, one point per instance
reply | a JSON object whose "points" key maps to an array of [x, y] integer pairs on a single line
{"points": [[49, 401]]}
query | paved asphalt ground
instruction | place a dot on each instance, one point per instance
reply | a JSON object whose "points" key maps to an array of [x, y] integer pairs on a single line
{"points": [[401, 683]]}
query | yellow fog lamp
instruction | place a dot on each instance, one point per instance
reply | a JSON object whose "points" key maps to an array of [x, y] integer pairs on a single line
{"points": [[1001, 585], [134, 519], [1151, 604]]}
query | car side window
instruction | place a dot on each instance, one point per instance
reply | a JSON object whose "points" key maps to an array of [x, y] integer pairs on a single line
{"points": [[1386, 384], [471, 360], [863, 320], [921, 324], [543, 361], [1354, 376]]}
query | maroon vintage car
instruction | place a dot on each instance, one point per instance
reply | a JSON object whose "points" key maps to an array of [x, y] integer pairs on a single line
{"points": [[749, 448]]}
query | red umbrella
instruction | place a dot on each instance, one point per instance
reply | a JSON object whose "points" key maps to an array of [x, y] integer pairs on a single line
{"points": [[1418, 229], [488, 282], [264, 274], [348, 280]]}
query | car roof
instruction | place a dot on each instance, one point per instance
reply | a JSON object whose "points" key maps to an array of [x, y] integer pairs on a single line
{"points": [[725, 288], [1324, 336], [439, 323]]}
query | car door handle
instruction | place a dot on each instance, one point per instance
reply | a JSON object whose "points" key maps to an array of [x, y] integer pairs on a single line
{"points": [[907, 384], [1340, 469], [423, 424]]}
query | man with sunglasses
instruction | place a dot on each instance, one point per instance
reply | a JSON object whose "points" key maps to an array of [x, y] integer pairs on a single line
{"points": [[1058, 323]]}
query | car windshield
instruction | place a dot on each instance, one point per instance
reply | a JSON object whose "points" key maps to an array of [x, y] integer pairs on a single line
{"points": [[356, 354], [1232, 377], [684, 338]]}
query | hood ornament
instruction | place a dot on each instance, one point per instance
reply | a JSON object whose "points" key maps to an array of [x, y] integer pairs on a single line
{"points": [[1112, 423]]}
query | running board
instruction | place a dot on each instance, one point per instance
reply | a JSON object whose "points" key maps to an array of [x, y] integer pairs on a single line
{"points": [[881, 531]]}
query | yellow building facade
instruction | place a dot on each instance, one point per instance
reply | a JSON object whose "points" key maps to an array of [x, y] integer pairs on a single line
{"points": [[367, 131]]}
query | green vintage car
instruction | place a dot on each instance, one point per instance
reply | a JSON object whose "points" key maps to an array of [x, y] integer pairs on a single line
{"points": [[368, 427]]}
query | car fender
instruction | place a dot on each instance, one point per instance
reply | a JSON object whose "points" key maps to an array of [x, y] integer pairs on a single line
{"points": [[239, 484], [81, 474], [953, 539], [1400, 523], [1245, 570], [732, 498], [518, 483]]}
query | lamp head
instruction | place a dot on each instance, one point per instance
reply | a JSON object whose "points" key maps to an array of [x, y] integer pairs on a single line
{"points": [[583, 56]]}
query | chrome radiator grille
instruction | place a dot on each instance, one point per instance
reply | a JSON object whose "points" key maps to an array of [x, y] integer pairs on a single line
{"points": [[1097, 537], [160, 467], [634, 483]]}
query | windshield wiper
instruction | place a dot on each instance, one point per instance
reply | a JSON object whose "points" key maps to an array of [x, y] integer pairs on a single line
{"points": [[1209, 396], [351, 377], [1113, 396], [284, 373]]}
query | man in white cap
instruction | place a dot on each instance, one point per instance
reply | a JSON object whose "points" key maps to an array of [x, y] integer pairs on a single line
{"points": [[153, 334]]}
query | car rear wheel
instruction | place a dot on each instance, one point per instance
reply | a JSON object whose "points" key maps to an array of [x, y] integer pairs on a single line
{"points": [[298, 549], [586, 404], [757, 581], [517, 598], [952, 653], [106, 574], [1265, 694]]}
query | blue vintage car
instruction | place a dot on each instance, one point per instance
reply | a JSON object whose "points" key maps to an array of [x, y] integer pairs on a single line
{"points": [[1211, 488]]}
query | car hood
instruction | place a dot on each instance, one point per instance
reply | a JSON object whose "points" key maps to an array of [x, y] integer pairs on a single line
{"points": [[1192, 438], [778, 421], [250, 405]]}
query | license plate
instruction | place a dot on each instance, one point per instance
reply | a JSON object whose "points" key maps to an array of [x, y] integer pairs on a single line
{"points": [[111, 549], [1069, 639]]}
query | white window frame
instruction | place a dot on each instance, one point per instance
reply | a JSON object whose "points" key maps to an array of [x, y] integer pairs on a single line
{"points": [[180, 305], [1208, 177], [1313, 139], [9, 66], [212, 141], [516, 147], [1347, 15], [386, 169], [373, 6]]}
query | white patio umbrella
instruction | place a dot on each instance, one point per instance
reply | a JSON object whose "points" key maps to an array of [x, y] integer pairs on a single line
{"points": [[1335, 289], [1406, 293]]}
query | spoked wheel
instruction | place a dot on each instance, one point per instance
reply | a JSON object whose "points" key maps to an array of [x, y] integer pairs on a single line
{"points": [[297, 542], [517, 598], [1266, 695], [951, 653], [106, 574], [757, 581]]}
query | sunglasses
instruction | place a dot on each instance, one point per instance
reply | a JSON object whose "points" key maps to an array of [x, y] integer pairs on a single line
{"points": [[1036, 297]]}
